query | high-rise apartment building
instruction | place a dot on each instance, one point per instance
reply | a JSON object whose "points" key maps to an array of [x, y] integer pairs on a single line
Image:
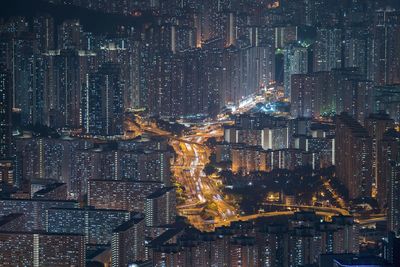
{"points": [[386, 53], [5, 112], [34, 210], [104, 103], [377, 125], [97, 225], [353, 147], [70, 35], [128, 243], [44, 29], [120, 195], [386, 98], [328, 49], [160, 207], [65, 79], [295, 62], [387, 156], [41, 249]]}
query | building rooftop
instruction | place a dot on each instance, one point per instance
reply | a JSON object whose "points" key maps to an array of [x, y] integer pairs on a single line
{"points": [[127, 225], [129, 182], [167, 235], [89, 208], [38, 200], [379, 116], [49, 188], [160, 192], [10, 217], [355, 127]]}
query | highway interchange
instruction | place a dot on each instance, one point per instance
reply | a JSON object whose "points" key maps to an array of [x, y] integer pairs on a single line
{"points": [[205, 204]]}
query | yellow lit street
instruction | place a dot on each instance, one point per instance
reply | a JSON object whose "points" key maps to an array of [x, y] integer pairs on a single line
{"points": [[204, 203]]}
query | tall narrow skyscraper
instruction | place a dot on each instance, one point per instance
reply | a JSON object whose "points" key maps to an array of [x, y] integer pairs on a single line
{"points": [[5, 114], [377, 125], [295, 62], [353, 156], [387, 171], [66, 72], [328, 49], [386, 63], [104, 103]]}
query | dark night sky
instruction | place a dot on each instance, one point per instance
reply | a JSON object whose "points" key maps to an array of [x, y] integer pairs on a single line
{"points": [[91, 20]]}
